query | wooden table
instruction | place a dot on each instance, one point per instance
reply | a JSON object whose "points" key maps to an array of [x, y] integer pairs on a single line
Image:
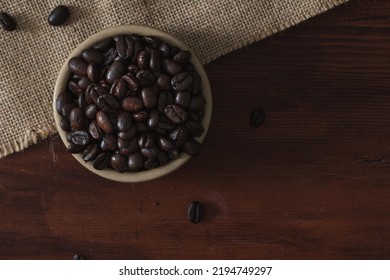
{"points": [[313, 182]]}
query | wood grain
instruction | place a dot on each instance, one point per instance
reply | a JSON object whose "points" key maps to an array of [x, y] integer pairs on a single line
{"points": [[311, 183]]}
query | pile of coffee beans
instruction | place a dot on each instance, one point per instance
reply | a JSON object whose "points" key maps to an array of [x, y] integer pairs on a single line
{"points": [[132, 103]]}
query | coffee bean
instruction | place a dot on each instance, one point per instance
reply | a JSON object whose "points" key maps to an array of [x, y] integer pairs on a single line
{"points": [[118, 162], [151, 163], [91, 152], [133, 69], [7, 22], [192, 147], [74, 88], [165, 50], [179, 136], [141, 116], [137, 48], [151, 152], [118, 89], [149, 97], [95, 130], [109, 57], [115, 71], [151, 41], [103, 45], [124, 121], [124, 47], [62, 99], [79, 137], [65, 124], [135, 162], [92, 56], [257, 117], [77, 118], [74, 149], [182, 57], [153, 118], [164, 144], [78, 66], [127, 147], [154, 62], [110, 142], [67, 109], [83, 83], [126, 135], [146, 140], [90, 111], [107, 103], [164, 82], [195, 212], [182, 81], [195, 128], [58, 16], [173, 154], [197, 103], [93, 72], [171, 67], [132, 104], [175, 113], [164, 100], [183, 99], [143, 60], [163, 158], [145, 78], [104, 122], [131, 81], [101, 161]]}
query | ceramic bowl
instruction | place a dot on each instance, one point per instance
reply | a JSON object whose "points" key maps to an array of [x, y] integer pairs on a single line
{"points": [[65, 73]]}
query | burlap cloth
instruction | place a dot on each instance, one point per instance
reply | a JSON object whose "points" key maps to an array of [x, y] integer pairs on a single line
{"points": [[31, 56]]}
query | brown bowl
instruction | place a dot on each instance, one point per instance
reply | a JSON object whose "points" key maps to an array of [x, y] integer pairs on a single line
{"points": [[64, 75]]}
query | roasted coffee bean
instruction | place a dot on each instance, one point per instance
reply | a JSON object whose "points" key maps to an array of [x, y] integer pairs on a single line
{"points": [[83, 83], [153, 118], [127, 147], [126, 135], [74, 149], [124, 121], [110, 142], [143, 60], [7, 22], [77, 118], [78, 66], [91, 152], [93, 72], [195, 128], [92, 56], [131, 81], [104, 122], [197, 103], [165, 124], [195, 212], [133, 69], [124, 46], [115, 71], [164, 100], [118, 162], [257, 117], [179, 136], [59, 15], [141, 116], [137, 48], [118, 89], [145, 78], [150, 152], [65, 124], [149, 97], [182, 57], [107, 103], [175, 113], [62, 99], [132, 104], [95, 130], [101, 161], [151, 41], [135, 162], [151, 163], [197, 83], [182, 81], [90, 111], [79, 137], [81, 101], [183, 99], [164, 82], [109, 57], [142, 127], [171, 67], [165, 50], [173, 154], [67, 109], [146, 140], [103, 45], [192, 147], [74, 88], [194, 116], [164, 144], [154, 62]]}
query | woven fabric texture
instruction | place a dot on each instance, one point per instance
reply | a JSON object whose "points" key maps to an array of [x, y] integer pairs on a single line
{"points": [[31, 56]]}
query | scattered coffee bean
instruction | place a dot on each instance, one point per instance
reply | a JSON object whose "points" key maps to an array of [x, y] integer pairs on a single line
{"points": [[132, 103], [257, 117], [7, 22], [195, 212], [59, 15]]}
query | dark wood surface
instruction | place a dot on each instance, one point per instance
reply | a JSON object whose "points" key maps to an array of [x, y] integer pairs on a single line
{"points": [[313, 182]]}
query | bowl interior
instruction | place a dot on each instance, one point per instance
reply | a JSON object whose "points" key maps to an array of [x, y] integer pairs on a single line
{"points": [[65, 73]]}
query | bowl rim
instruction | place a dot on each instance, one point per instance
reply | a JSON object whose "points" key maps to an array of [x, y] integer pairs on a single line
{"points": [[143, 30]]}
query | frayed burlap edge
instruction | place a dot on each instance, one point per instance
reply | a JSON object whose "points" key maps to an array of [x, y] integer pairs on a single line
{"points": [[33, 136]]}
